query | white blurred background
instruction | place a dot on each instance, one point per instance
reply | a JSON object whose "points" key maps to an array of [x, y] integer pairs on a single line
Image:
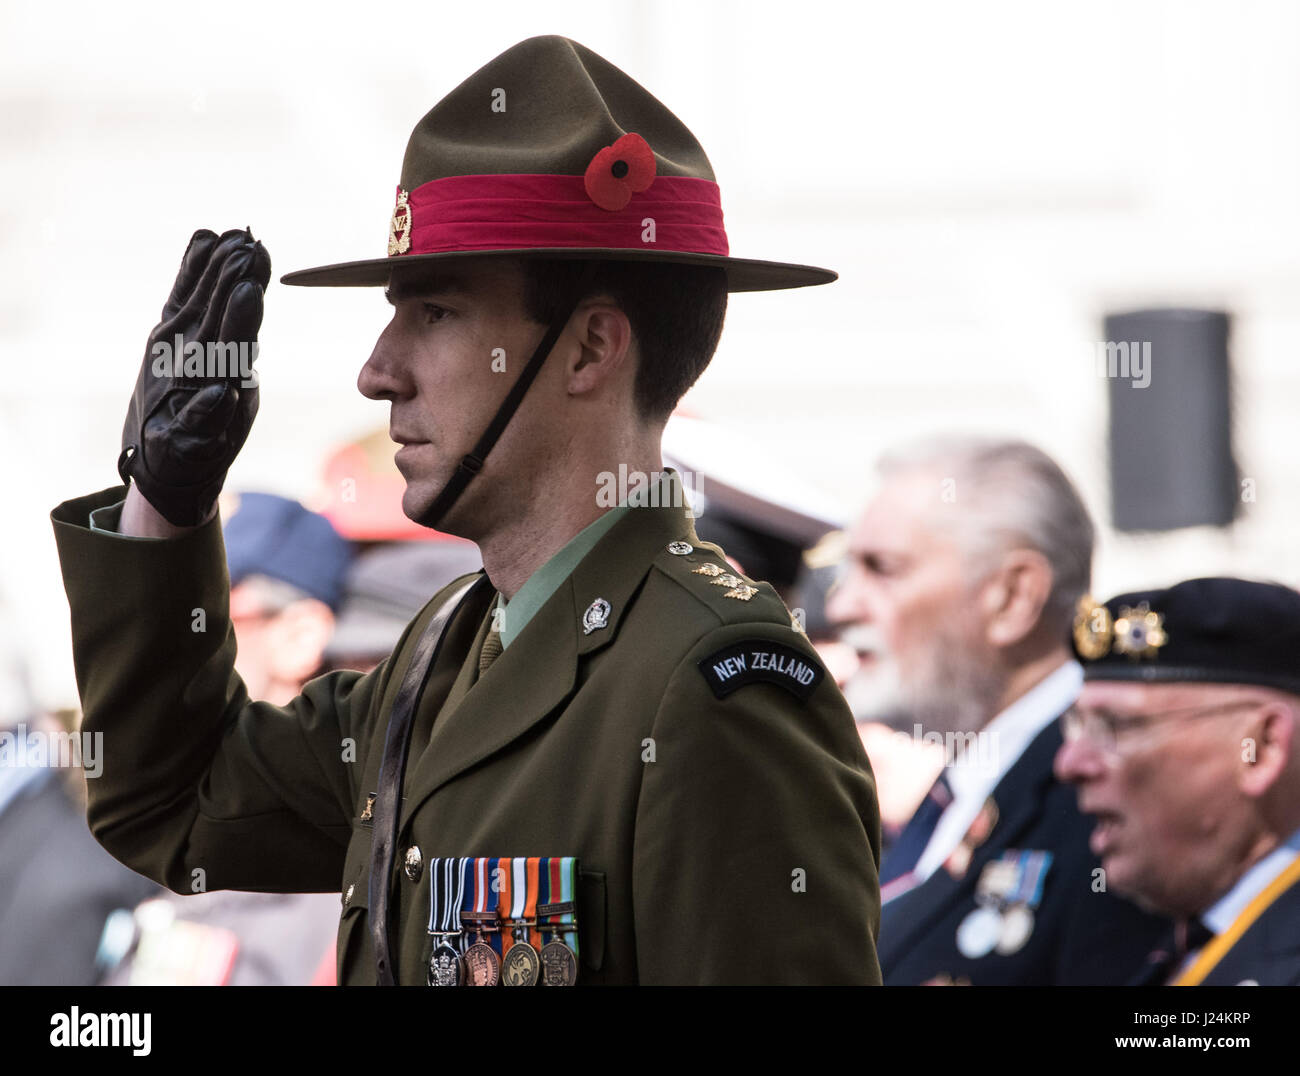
{"points": [[987, 178]]}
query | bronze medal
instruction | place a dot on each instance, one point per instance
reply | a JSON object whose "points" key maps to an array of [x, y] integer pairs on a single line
{"points": [[482, 966], [559, 965], [445, 967], [522, 966]]}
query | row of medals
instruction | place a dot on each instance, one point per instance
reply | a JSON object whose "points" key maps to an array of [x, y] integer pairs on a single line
{"points": [[522, 965], [1000, 926]]}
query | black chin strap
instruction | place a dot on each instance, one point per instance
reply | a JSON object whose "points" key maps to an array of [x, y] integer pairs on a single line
{"points": [[471, 464]]}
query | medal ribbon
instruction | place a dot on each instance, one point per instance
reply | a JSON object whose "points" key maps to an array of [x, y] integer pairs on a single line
{"points": [[469, 888], [505, 901], [530, 904], [1031, 875], [455, 906], [482, 893], [543, 897], [562, 870], [518, 892], [433, 897], [494, 865], [436, 896], [446, 891], [569, 892]]}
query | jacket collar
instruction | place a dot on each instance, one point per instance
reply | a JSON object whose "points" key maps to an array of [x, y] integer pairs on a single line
{"points": [[538, 671]]}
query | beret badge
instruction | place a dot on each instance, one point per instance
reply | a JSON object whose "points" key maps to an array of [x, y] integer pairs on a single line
{"points": [[1139, 632], [1093, 630], [399, 227]]}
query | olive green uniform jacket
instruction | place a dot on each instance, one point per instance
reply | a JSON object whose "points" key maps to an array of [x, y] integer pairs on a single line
{"points": [[731, 839]]}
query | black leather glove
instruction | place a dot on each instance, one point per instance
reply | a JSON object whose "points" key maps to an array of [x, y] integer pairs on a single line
{"points": [[191, 413]]}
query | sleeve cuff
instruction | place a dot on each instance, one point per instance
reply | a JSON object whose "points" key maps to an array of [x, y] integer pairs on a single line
{"points": [[98, 513], [108, 520]]}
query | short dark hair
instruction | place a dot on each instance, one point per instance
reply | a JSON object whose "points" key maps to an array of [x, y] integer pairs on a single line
{"points": [[675, 311]]}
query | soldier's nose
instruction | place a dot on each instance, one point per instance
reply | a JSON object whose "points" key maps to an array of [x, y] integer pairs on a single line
{"points": [[379, 378]]}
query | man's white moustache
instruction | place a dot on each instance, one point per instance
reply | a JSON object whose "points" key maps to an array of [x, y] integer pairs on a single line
{"points": [[863, 638]]}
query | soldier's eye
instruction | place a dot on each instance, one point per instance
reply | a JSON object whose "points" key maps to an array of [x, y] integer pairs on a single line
{"points": [[435, 312]]}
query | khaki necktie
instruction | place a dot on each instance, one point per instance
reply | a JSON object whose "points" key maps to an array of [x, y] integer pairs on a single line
{"points": [[490, 652]]}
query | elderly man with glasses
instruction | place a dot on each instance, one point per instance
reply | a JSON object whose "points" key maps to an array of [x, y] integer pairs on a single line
{"points": [[1183, 745]]}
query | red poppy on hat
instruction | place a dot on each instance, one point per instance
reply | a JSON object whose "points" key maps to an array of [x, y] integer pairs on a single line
{"points": [[619, 171]]}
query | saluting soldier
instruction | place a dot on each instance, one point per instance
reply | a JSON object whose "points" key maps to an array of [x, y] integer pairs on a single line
{"points": [[608, 757], [1185, 747]]}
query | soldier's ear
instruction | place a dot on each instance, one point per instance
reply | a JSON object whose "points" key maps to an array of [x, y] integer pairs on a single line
{"points": [[1015, 594], [603, 349]]}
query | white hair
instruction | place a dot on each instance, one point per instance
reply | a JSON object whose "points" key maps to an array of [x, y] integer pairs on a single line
{"points": [[1008, 494]]}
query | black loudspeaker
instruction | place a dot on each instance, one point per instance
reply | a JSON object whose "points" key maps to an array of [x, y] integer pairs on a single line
{"points": [[1171, 462]]}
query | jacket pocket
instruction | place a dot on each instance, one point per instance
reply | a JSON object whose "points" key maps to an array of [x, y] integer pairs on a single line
{"points": [[591, 919]]}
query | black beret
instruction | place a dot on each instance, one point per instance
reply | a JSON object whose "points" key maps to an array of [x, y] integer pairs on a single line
{"points": [[1220, 631]]}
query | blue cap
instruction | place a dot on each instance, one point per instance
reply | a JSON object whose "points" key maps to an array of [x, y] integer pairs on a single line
{"points": [[279, 538]]}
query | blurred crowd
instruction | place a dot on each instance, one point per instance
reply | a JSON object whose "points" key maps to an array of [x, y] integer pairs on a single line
{"points": [[1072, 790]]}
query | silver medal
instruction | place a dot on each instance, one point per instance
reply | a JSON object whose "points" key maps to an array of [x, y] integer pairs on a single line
{"points": [[1017, 926], [979, 933]]}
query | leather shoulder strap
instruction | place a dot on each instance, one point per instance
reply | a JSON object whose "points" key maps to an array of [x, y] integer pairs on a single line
{"points": [[397, 742]]}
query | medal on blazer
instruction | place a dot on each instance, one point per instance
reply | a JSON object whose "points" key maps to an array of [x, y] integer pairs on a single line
{"points": [[976, 834], [978, 933], [556, 917], [482, 965], [446, 886], [521, 965], [1017, 926], [1008, 891], [1024, 897]]}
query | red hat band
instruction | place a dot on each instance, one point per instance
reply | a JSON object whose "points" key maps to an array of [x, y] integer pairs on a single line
{"points": [[519, 212]]}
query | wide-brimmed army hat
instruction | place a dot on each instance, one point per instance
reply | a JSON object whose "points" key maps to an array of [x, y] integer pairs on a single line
{"points": [[551, 151]]}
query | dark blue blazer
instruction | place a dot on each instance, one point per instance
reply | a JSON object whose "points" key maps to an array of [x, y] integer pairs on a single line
{"points": [[1080, 936], [1269, 952]]}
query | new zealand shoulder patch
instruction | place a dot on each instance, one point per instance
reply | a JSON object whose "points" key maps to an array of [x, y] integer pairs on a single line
{"points": [[751, 660]]}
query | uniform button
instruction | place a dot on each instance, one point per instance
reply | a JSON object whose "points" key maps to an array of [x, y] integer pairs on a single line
{"points": [[347, 897], [414, 862]]}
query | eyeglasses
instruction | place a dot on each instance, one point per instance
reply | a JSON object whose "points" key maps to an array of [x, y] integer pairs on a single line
{"points": [[1104, 729]]}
